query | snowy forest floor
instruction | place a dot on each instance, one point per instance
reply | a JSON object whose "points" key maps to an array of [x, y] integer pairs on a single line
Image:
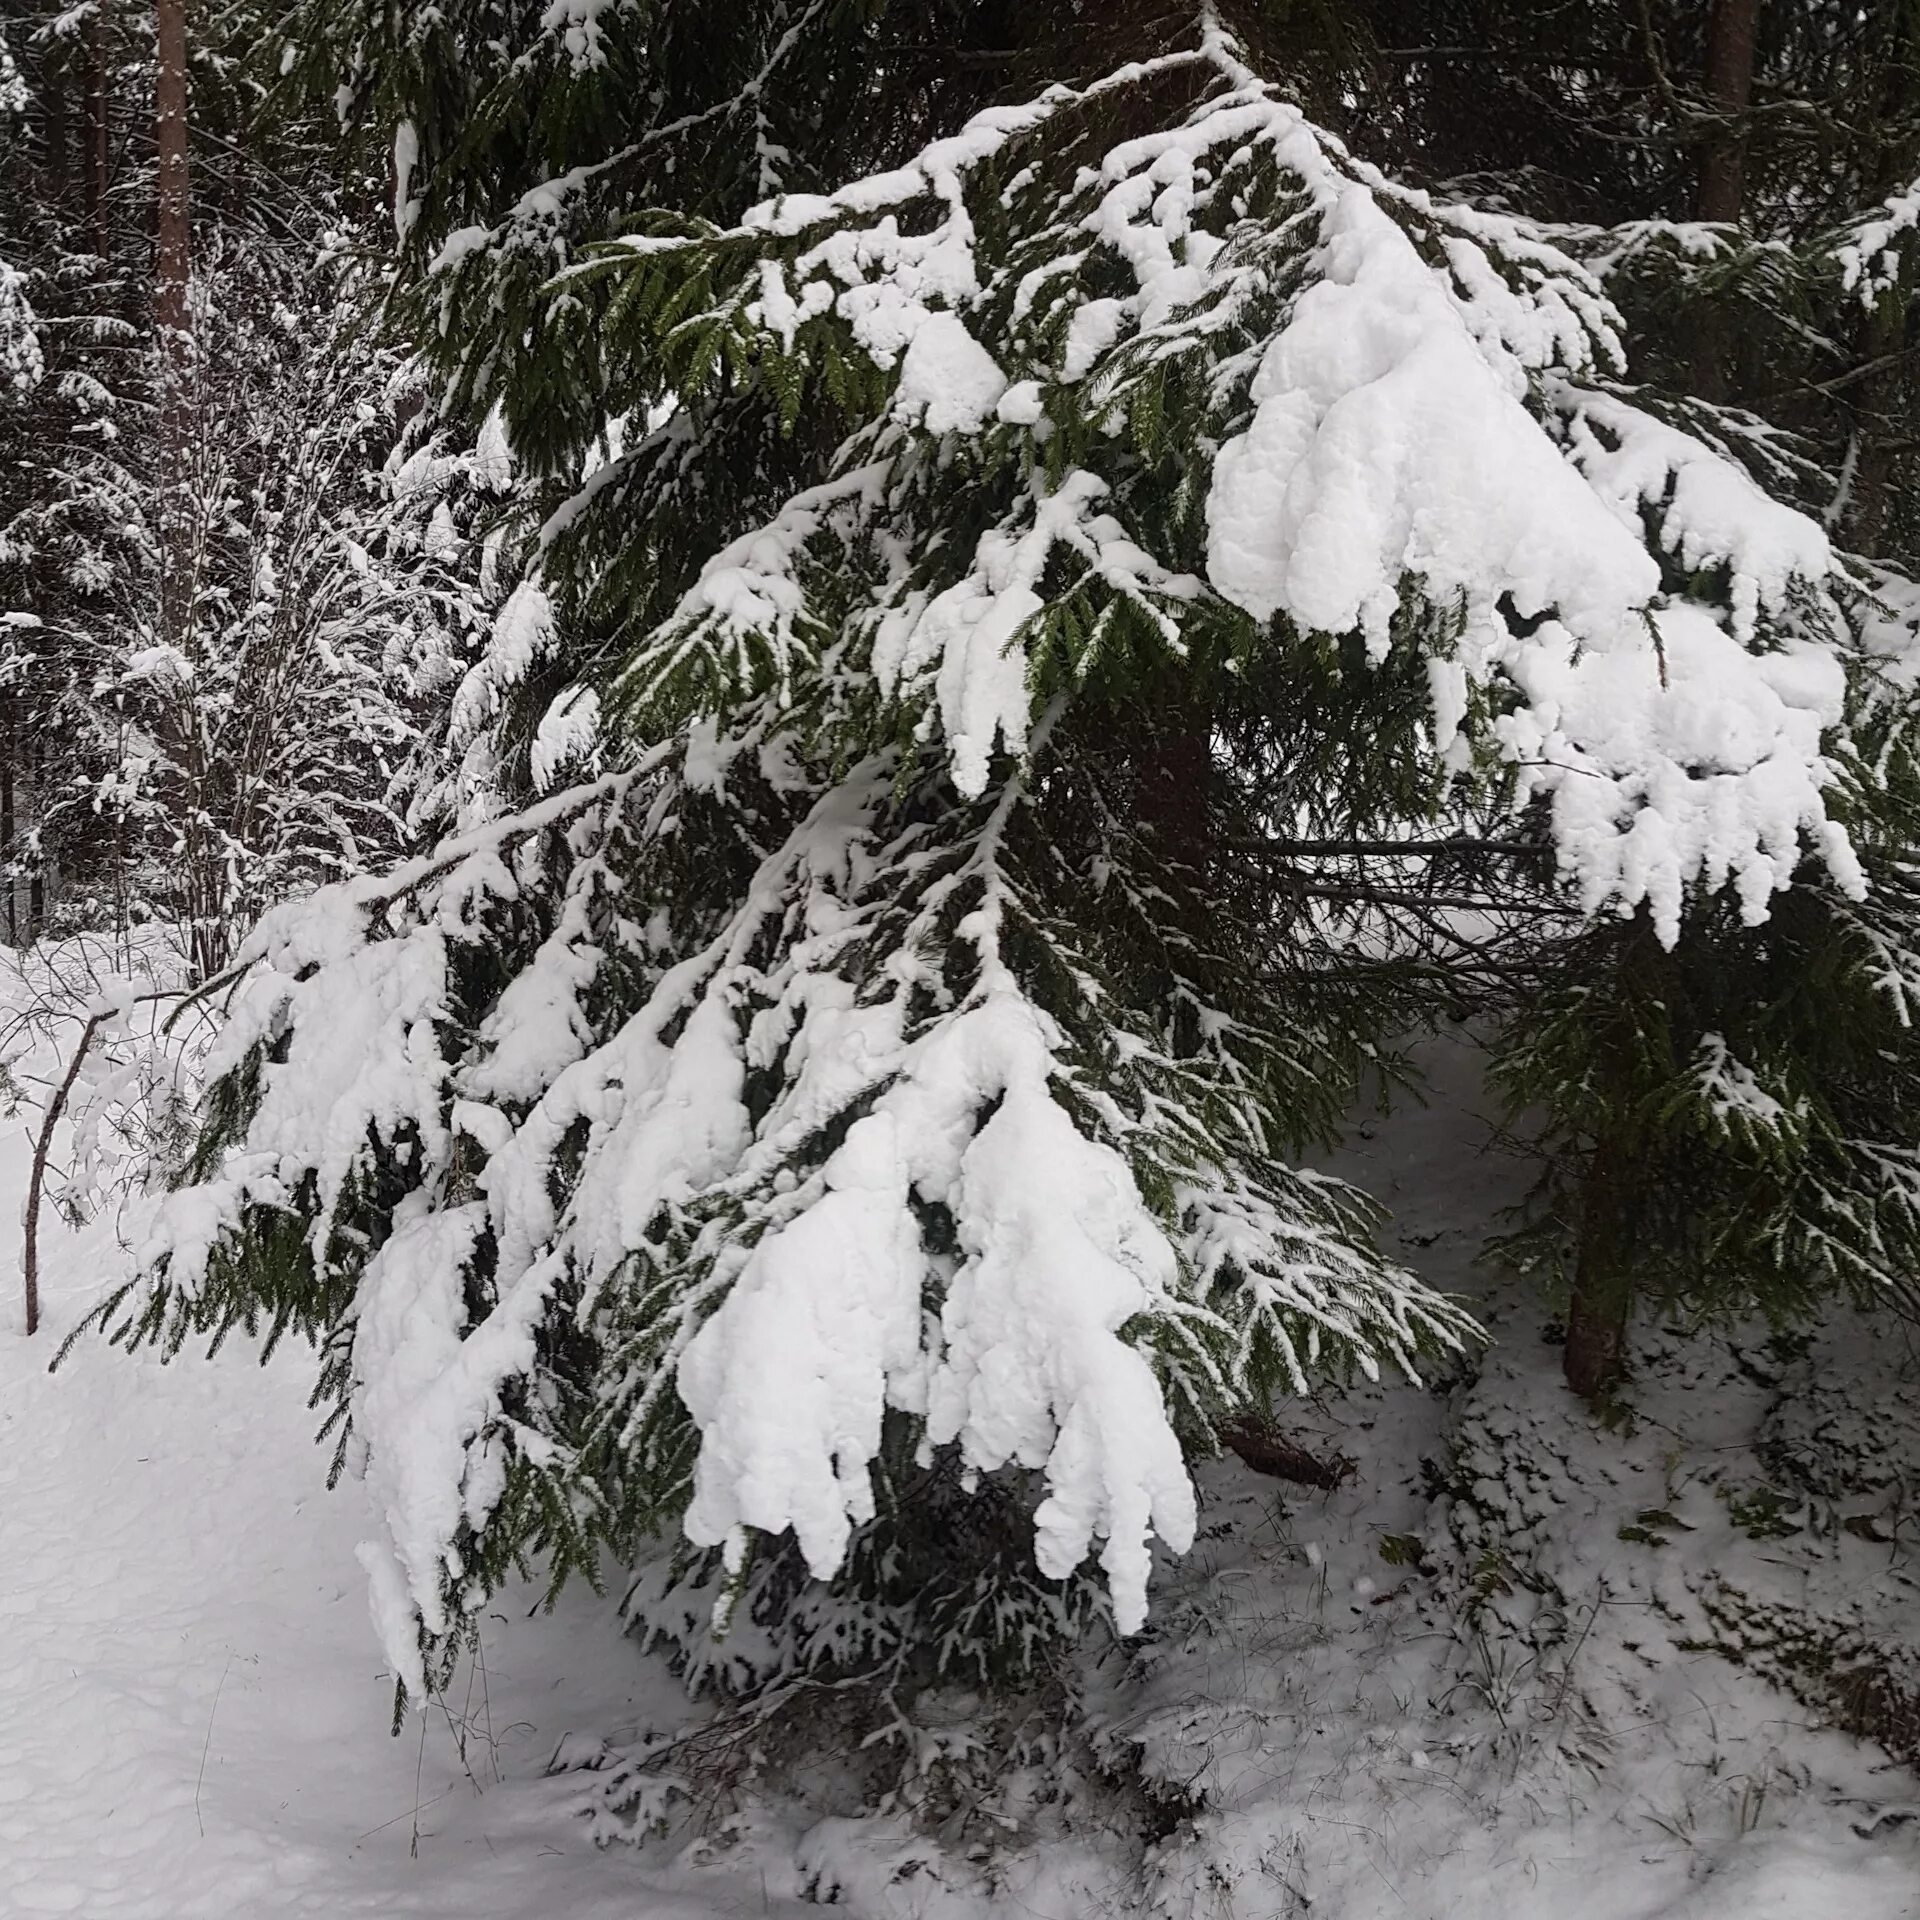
{"points": [[1520, 1665]]}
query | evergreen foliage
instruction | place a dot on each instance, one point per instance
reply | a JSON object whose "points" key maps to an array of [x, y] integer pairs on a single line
{"points": [[1728, 1124], [235, 624], [1037, 606]]}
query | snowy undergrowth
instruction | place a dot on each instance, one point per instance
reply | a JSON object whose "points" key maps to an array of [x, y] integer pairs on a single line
{"points": [[1522, 1662], [128, 1102], [1517, 1664]]}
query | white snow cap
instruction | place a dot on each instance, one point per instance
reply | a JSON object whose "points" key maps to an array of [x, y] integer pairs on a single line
{"points": [[949, 382], [1712, 761], [822, 1331], [1385, 444]]}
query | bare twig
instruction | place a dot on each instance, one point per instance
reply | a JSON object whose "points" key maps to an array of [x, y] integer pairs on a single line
{"points": [[419, 1768], [57, 1106], [207, 1744], [1423, 849]]}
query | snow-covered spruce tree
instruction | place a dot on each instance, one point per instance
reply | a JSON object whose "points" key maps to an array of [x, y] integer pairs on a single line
{"points": [[1728, 1103], [857, 1128], [1726, 1124]]}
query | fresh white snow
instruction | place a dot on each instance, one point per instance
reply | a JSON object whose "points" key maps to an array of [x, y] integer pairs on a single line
{"points": [[194, 1704]]}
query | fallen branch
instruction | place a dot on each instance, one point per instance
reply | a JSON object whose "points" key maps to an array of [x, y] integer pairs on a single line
{"points": [[1261, 1446]]}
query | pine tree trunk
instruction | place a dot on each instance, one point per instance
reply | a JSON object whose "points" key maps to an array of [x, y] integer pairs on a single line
{"points": [[30, 758], [95, 178], [1171, 749], [1877, 423], [1172, 779], [55, 161], [170, 139], [1611, 1197], [173, 238], [1596, 1350], [172, 262], [1881, 403], [1733, 32]]}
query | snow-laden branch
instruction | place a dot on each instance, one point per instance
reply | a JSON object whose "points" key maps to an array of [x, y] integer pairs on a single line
{"points": [[1403, 439], [1868, 250]]}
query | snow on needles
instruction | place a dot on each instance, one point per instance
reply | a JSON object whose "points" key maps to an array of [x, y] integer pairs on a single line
{"points": [[21, 363], [701, 1127], [822, 1328], [1868, 250], [1714, 764], [1406, 444], [949, 383], [821, 1331], [1383, 444]]}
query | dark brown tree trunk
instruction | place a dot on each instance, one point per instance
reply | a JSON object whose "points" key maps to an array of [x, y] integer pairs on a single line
{"points": [[95, 178], [1596, 1333], [1879, 423], [1596, 1350], [1175, 771], [171, 265], [1881, 404], [1643, 989], [1169, 741], [173, 235], [171, 254], [1733, 33], [55, 161]]}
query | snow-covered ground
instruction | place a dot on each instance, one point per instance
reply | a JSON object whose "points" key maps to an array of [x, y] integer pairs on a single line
{"points": [[194, 1713], [193, 1710], [1569, 1749]]}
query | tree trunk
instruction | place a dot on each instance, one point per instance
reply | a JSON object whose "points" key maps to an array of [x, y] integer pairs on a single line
{"points": [[1879, 422], [95, 177], [1597, 1316], [170, 139], [6, 832], [30, 758], [55, 160], [171, 264], [1733, 32], [1595, 1357], [173, 236], [1881, 404], [1172, 779], [1644, 989]]}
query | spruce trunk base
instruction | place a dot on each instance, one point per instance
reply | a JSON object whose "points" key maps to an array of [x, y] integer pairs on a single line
{"points": [[1596, 1351]]}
